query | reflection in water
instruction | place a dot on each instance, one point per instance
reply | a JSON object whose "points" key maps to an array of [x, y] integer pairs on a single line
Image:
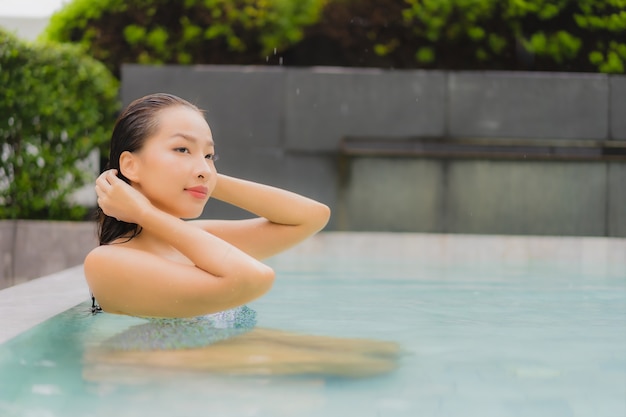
{"points": [[228, 343]]}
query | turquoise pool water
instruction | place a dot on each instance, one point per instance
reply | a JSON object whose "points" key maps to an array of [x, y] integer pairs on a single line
{"points": [[488, 340]]}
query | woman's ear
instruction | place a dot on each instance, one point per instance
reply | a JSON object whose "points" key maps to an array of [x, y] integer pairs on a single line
{"points": [[129, 166]]}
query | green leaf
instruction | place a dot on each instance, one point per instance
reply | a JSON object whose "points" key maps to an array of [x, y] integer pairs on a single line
{"points": [[425, 55], [134, 34]]}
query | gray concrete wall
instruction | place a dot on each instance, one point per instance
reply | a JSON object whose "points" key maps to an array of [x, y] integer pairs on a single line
{"points": [[528, 105], [616, 210], [283, 126], [322, 105], [483, 197], [618, 108], [31, 249], [557, 198]]}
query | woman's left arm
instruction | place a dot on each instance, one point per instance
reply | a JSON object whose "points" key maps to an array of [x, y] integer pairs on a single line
{"points": [[285, 218]]}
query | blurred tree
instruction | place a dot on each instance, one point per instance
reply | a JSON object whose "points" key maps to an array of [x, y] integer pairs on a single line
{"points": [[56, 106], [183, 31], [547, 35]]}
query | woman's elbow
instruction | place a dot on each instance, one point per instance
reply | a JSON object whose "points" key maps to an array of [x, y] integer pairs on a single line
{"points": [[261, 281], [242, 288], [266, 278], [321, 216]]}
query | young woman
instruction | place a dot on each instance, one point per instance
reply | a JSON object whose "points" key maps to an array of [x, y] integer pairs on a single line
{"points": [[191, 278], [150, 262]]}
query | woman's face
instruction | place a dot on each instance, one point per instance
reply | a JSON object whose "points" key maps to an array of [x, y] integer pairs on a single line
{"points": [[175, 167]]}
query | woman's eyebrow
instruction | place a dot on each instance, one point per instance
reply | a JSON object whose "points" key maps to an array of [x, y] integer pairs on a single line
{"points": [[192, 139]]}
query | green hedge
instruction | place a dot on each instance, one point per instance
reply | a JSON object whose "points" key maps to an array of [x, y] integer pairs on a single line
{"points": [[183, 31], [56, 106], [575, 35], [552, 35]]}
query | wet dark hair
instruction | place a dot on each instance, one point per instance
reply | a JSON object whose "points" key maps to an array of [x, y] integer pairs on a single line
{"points": [[134, 125]]}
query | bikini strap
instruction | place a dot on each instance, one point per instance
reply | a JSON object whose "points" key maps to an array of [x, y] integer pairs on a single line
{"points": [[95, 308]]}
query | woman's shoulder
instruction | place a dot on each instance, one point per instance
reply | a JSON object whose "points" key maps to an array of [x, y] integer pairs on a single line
{"points": [[112, 250], [128, 280], [108, 257]]}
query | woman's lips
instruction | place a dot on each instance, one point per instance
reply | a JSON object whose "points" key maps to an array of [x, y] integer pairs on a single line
{"points": [[198, 192]]}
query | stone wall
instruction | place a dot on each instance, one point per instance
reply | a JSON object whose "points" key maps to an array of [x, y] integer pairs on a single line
{"points": [[31, 249], [283, 126]]}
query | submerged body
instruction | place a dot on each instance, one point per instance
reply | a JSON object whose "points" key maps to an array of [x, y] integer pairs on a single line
{"points": [[229, 343]]}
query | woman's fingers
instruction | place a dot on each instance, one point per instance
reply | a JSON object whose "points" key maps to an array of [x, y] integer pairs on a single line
{"points": [[117, 198], [111, 176], [107, 178], [104, 185]]}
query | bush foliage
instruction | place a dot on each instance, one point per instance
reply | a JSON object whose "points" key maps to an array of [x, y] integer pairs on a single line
{"points": [[547, 35], [552, 35], [56, 106], [183, 31]]}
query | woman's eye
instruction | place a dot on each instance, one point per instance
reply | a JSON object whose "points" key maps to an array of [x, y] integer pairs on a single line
{"points": [[182, 150], [212, 157]]}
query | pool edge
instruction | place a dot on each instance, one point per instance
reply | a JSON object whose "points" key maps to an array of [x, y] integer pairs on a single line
{"points": [[26, 305]]}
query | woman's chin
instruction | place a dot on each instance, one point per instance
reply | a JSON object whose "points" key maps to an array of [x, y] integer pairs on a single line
{"points": [[190, 215], [186, 212]]}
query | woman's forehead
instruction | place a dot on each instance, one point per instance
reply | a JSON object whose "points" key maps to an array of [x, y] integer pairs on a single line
{"points": [[183, 120]]}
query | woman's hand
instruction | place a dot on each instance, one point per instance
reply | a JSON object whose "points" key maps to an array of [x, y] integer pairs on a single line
{"points": [[118, 199]]}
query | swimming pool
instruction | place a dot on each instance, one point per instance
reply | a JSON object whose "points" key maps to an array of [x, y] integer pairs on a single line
{"points": [[487, 326]]}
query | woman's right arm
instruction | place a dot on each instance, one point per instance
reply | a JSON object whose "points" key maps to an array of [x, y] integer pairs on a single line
{"points": [[138, 283], [222, 276]]}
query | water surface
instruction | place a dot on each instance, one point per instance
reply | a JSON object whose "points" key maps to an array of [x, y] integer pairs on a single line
{"points": [[489, 340]]}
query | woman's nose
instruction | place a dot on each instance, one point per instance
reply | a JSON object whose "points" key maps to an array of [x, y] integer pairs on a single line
{"points": [[204, 168]]}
